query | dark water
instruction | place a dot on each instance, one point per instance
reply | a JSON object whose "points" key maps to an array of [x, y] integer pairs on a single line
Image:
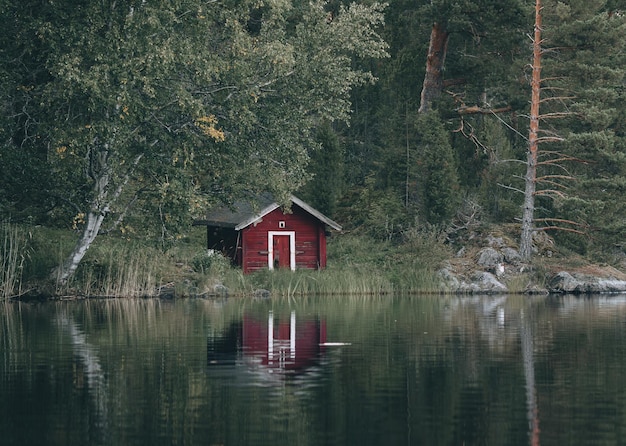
{"points": [[356, 371]]}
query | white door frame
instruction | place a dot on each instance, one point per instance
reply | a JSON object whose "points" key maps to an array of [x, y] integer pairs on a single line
{"points": [[292, 248]]}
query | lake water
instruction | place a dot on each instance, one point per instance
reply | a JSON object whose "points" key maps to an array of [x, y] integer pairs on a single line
{"points": [[416, 370]]}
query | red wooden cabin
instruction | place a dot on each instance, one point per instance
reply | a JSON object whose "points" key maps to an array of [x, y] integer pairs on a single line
{"points": [[270, 237]]}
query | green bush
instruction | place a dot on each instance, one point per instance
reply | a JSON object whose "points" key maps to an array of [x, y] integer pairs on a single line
{"points": [[210, 261]]}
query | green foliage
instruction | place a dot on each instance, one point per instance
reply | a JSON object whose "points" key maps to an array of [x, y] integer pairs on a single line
{"points": [[588, 75], [438, 169], [148, 113], [497, 179], [326, 166], [361, 265], [210, 263], [381, 213], [157, 109]]}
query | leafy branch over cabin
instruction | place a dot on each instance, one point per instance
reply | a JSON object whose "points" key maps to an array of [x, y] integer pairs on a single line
{"points": [[266, 235]]}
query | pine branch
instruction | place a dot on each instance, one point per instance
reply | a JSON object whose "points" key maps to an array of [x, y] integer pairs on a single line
{"points": [[550, 139], [557, 98], [475, 109], [562, 220], [514, 189], [550, 193], [547, 178], [555, 115], [561, 228]]}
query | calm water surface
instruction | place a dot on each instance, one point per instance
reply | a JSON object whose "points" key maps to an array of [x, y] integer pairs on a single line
{"points": [[356, 371]]}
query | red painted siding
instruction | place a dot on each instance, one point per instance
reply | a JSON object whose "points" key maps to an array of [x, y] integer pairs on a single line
{"points": [[309, 234]]}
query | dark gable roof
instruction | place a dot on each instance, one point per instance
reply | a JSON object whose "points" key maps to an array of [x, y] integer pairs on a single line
{"points": [[242, 214]]}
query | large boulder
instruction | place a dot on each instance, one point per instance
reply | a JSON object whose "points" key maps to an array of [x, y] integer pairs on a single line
{"points": [[489, 258], [488, 282], [449, 280], [511, 256], [482, 282], [565, 282]]}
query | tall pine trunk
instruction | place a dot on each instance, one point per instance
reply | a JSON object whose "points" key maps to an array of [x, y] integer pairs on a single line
{"points": [[531, 165], [433, 79]]}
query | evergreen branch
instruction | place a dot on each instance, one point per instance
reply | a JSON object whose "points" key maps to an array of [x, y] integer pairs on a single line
{"points": [[216, 90]]}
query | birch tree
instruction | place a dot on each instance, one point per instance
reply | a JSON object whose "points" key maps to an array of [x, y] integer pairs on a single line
{"points": [[166, 106]]}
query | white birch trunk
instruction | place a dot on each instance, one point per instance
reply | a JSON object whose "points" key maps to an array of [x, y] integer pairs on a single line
{"points": [[90, 231], [98, 210]]}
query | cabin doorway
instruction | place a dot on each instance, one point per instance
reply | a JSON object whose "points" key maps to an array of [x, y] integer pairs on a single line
{"points": [[281, 250]]}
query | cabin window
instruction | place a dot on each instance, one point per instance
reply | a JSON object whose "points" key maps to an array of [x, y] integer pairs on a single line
{"points": [[281, 224]]}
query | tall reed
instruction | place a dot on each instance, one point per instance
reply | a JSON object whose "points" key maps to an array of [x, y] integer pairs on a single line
{"points": [[13, 251], [119, 270]]}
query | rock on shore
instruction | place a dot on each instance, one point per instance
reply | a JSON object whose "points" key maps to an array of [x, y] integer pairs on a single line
{"points": [[575, 283], [495, 264]]}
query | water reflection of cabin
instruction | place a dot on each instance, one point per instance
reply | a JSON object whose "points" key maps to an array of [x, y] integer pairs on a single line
{"points": [[270, 237], [275, 342]]}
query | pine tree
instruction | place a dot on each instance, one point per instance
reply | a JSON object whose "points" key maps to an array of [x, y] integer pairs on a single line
{"points": [[326, 166], [438, 180], [585, 64]]}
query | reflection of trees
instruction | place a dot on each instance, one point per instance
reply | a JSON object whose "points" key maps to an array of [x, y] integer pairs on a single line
{"points": [[528, 358], [12, 334], [88, 356], [420, 370]]}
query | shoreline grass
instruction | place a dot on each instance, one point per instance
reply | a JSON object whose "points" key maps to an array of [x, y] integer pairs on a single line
{"points": [[13, 254], [117, 267]]}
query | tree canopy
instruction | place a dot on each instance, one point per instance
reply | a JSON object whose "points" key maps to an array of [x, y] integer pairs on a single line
{"points": [[130, 115], [177, 104]]}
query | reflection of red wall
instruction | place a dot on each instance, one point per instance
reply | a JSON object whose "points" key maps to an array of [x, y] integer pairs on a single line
{"points": [[309, 334]]}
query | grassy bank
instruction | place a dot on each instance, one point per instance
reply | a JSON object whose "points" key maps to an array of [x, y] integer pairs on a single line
{"points": [[117, 267]]}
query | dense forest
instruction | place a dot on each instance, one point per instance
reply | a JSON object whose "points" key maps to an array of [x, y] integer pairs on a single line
{"points": [[135, 116]]}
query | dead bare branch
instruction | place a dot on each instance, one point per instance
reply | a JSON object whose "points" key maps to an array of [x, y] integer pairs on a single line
{"points": [[550, 139], [557, 98], [514, 189], [550, 192], [561, 177], [560, 228], [555, 115], [475, 109], [561, 220]]}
